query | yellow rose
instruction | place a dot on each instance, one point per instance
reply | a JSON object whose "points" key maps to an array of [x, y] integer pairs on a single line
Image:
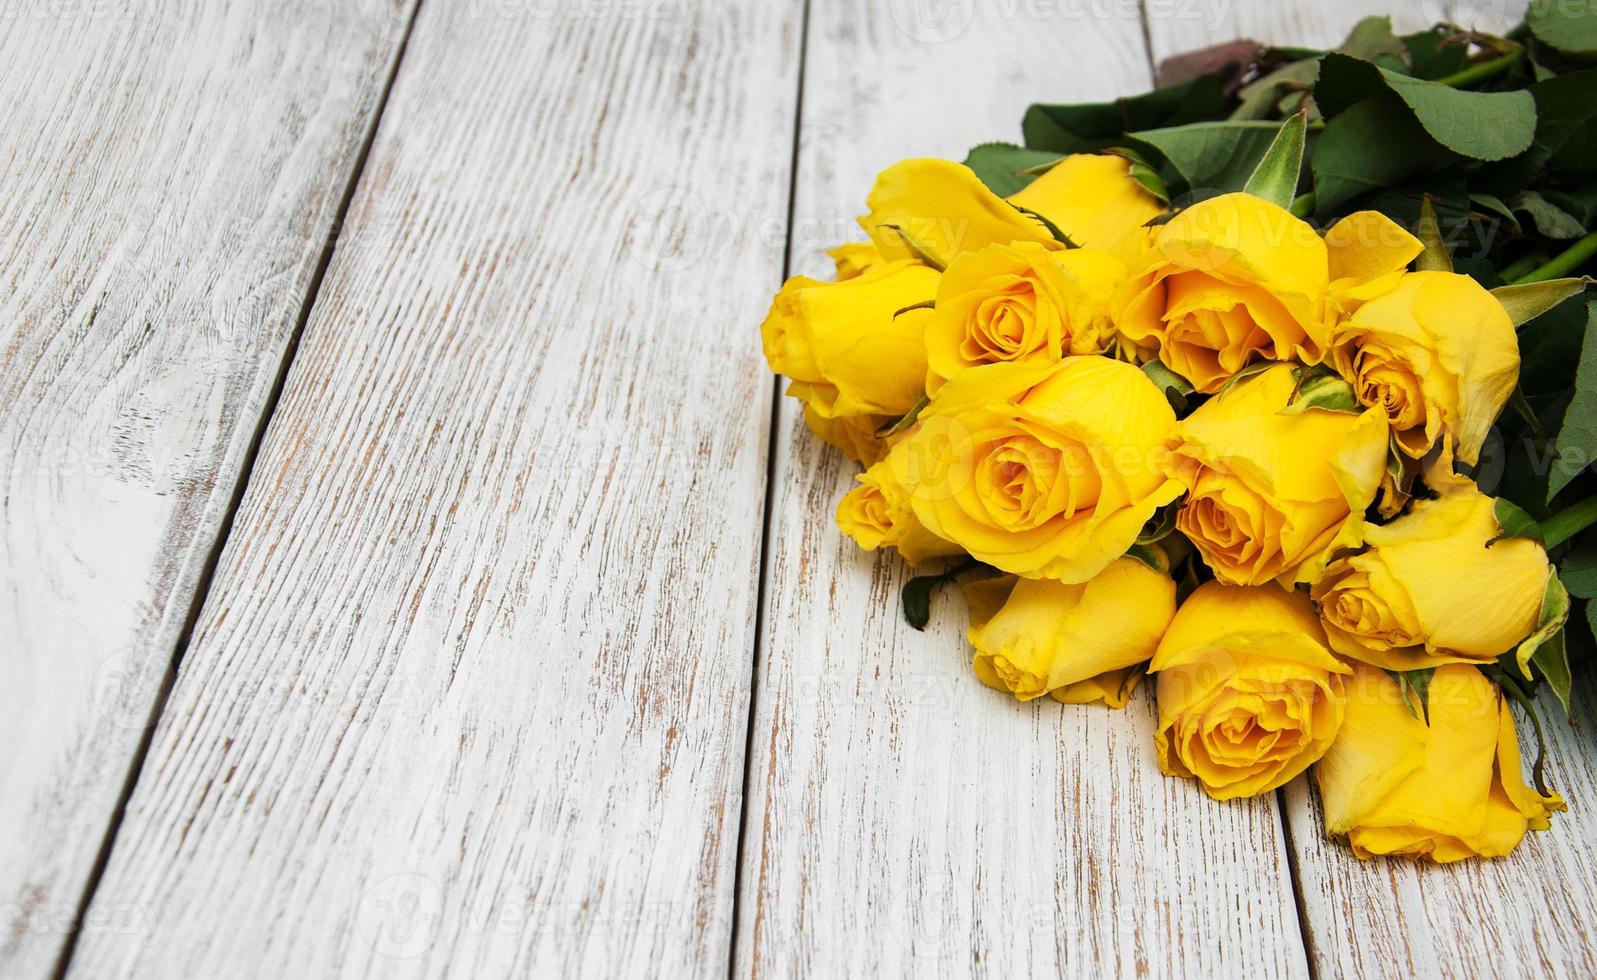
{"points": [[1043, 471], [1093, 199], [877, 514], [1273, 493], [1248, 694], [1437, 354], [854, 258], [1048, 637], [1448, 790], [1234, 279], [1020, 303], [850, 352], [935, 210], [1429, 590]]}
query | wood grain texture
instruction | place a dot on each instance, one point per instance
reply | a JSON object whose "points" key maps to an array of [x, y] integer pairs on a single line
{"points": [[903, 820], [169, 176], [1526, 915], [468, 696], [1175, 26], [1523, 916]]}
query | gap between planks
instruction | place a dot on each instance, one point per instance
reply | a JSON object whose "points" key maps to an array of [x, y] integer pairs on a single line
{"points": [[767, 514], [202, 587]]}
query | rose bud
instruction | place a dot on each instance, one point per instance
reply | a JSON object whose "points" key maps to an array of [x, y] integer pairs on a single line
{"points": [[1077, 642]]}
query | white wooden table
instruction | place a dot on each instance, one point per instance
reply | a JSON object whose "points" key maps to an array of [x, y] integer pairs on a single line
{"points": [[406, 568]]}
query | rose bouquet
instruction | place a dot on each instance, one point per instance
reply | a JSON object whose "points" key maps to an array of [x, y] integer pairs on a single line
{"points": [[1277, 384]]}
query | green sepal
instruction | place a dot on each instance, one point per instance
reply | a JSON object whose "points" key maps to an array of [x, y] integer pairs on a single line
{"points": [[904, 421], [1527, 301], [1053, 229], [1322, 388], [1276, 177], [1160, 525], [1550, 624], [915, 247], [1150, 555], [1436, 257], [1513, 522], [1415, 686], [1176, 388]]}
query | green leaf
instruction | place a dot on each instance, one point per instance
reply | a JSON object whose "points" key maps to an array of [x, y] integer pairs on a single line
{"points": [[1566, 121], [917, 592], [1322, 388], [1006, 168], [1435, 53], [1090, 127], [1568, 25], [1220, 155], [1260, 98], [1513, 522], [1555, 611], [1527, 302], [1480, 125], [1374, 144], [1176, 388], [1549, 219], [1276, 177], [917, 597], [1372, 39], [1576, 445], [1578, 570], [1436, 257], [904, 421]]}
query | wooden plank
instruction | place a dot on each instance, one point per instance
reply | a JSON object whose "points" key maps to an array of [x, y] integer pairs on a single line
{"points": [[169, 178], [903, 820], [1175, 26], [469, 694], [1525, 915]]}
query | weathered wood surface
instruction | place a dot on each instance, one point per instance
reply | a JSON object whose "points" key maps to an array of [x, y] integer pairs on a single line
{"points": [[169, 176], [1529, 914], [469, 694], [1175, 26], [903, 820]]}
